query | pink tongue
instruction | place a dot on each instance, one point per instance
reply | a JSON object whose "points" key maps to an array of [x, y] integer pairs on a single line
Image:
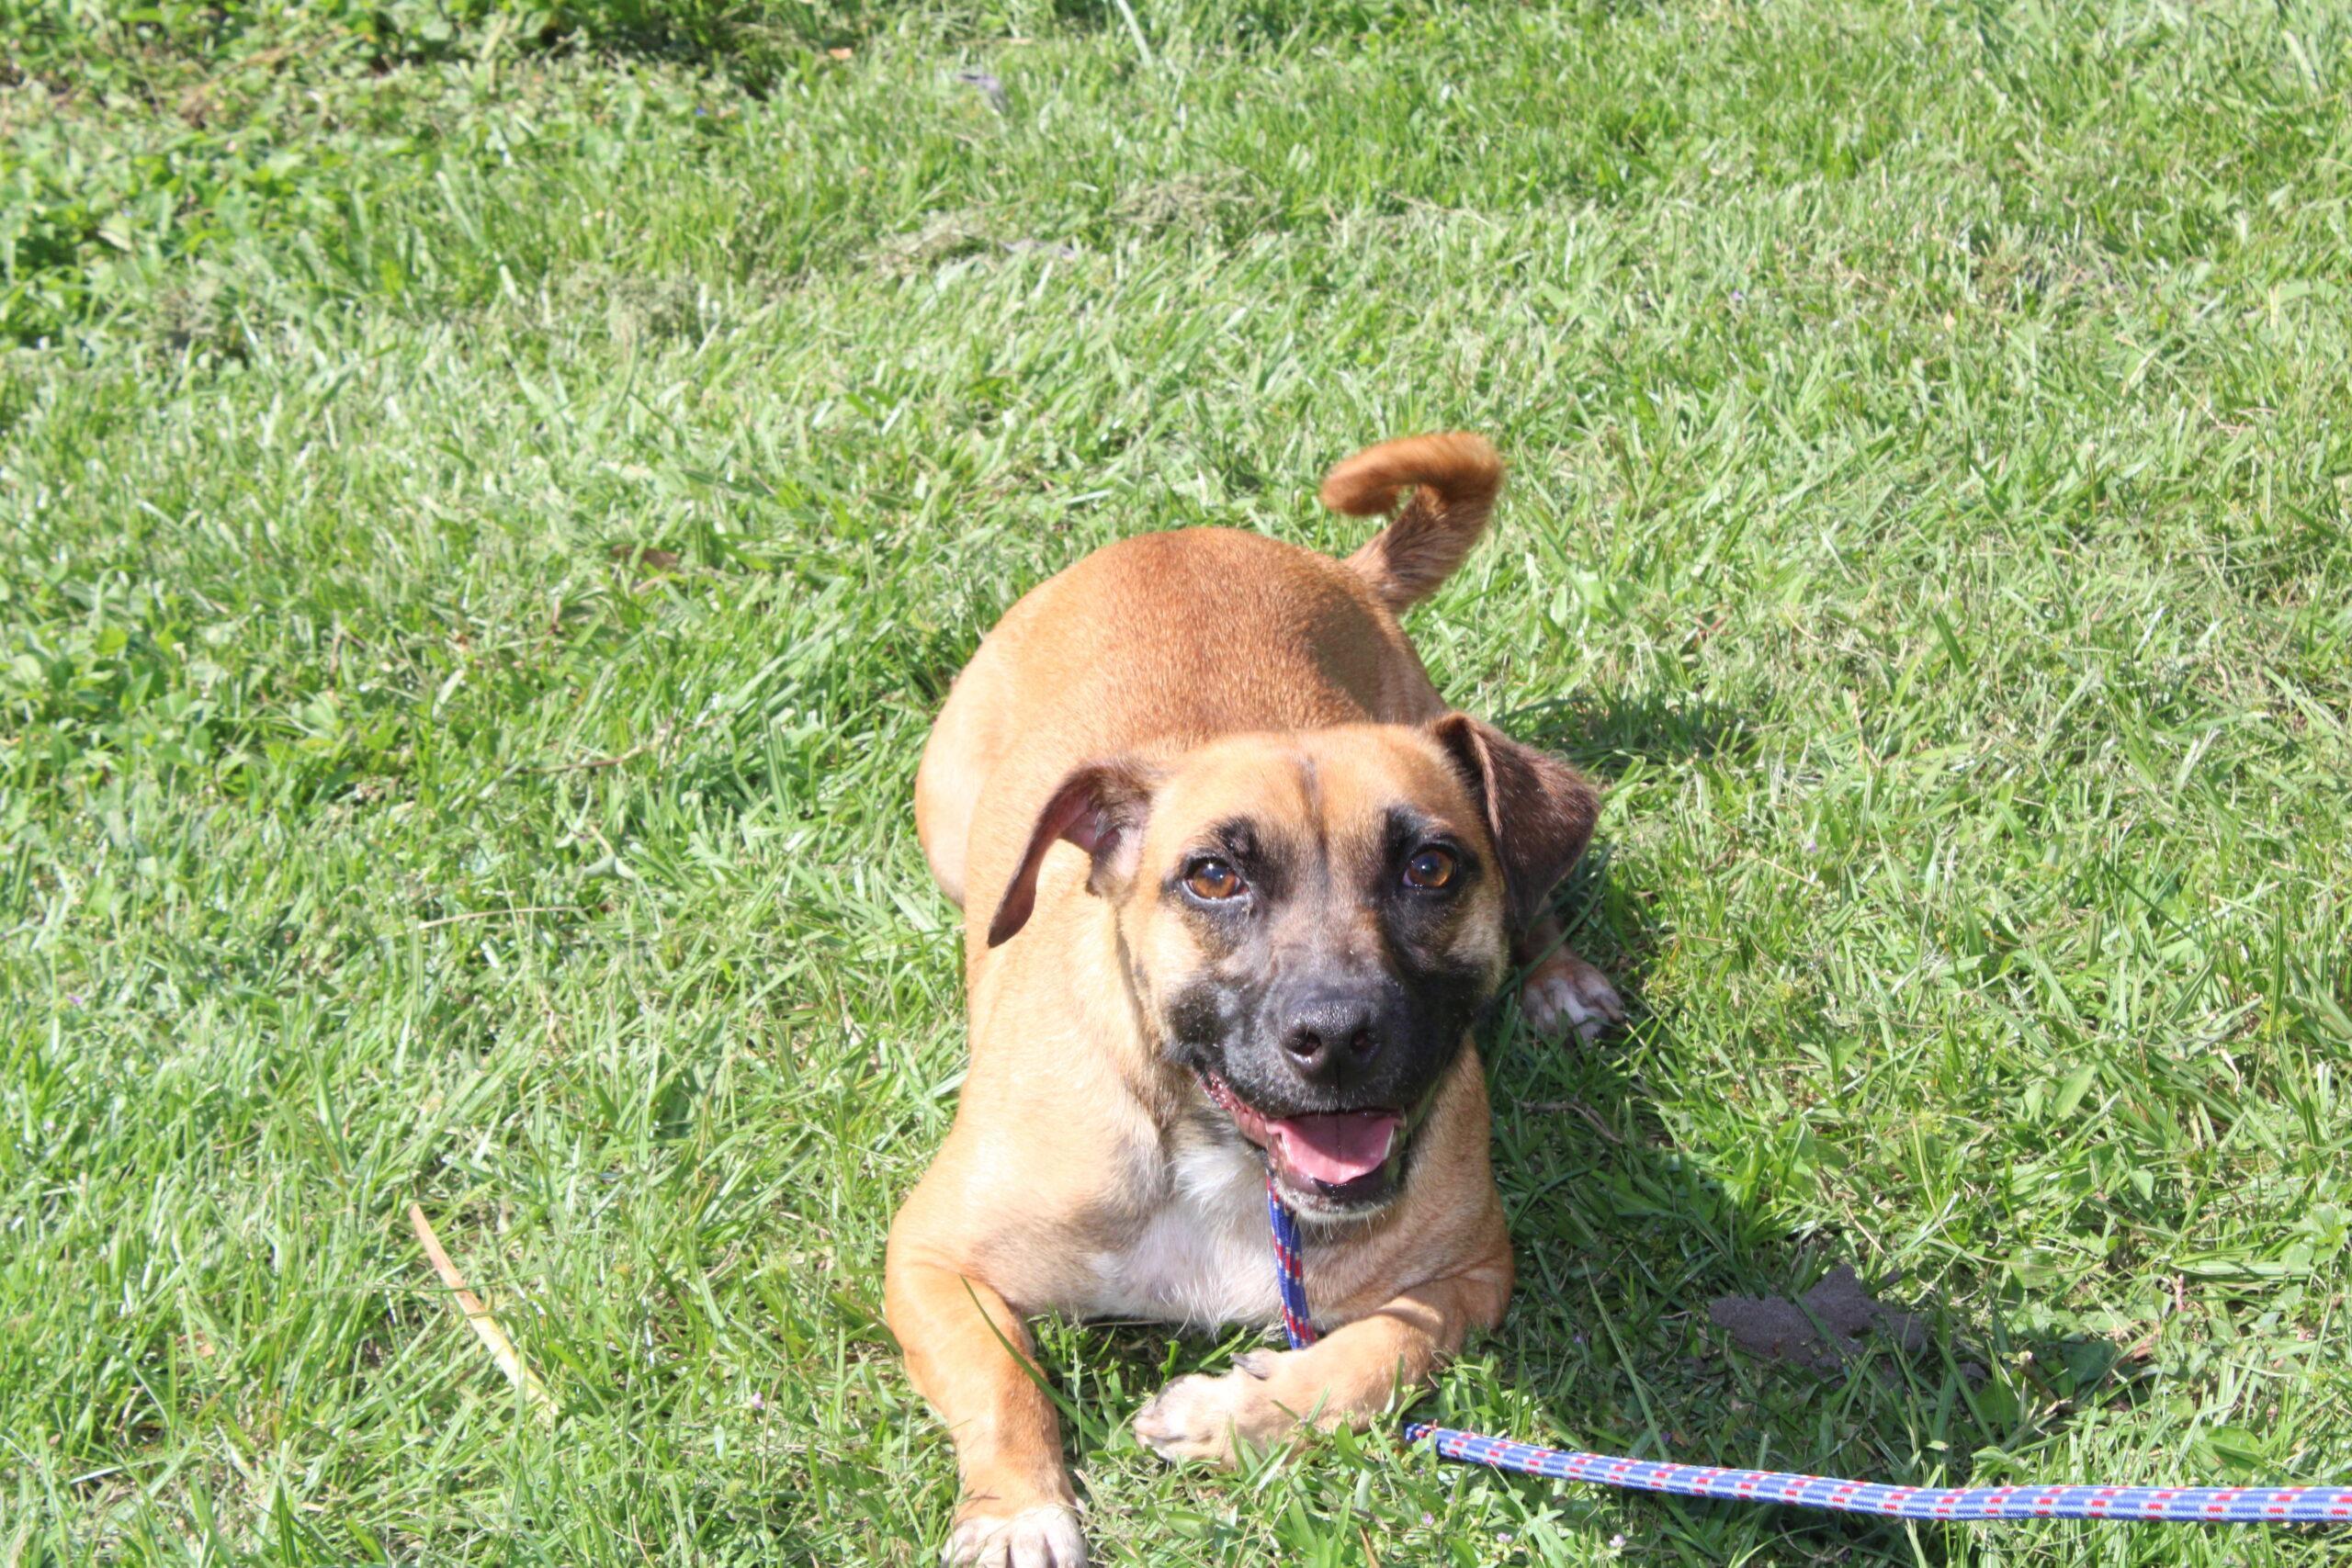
{"points": [[1337, 1148]]}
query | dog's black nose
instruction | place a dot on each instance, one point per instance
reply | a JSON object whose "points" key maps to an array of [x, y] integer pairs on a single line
{"points": [[1328, 1034]]}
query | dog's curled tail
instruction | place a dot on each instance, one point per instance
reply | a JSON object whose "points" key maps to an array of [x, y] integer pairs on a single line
{"points": [[1454, 478]]}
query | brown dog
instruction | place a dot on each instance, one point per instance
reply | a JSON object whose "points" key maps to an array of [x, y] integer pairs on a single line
{"points": [[1236, 884]]}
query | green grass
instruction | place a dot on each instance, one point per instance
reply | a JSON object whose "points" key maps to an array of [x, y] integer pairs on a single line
{"points": [[1929, 516]]}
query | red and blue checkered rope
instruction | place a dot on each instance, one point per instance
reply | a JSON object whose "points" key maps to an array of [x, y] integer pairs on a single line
{"points": [[1290, 1271], [2201, 1505]]}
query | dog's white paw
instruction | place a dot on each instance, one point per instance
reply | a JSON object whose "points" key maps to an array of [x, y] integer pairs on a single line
{"points": [[1200, 1415], [1033, 1538], [1563, 992]]}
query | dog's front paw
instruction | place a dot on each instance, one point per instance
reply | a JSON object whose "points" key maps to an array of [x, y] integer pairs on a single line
{"points": [[1200, 1416], [1032, 1537], [1563, 992]]}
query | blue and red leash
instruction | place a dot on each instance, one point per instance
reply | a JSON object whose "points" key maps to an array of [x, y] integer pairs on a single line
{"points": [[2184, 1504]]}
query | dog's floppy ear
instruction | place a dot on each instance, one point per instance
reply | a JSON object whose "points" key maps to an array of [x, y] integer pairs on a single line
{"points": [[1540, 811], [1101, 807]]}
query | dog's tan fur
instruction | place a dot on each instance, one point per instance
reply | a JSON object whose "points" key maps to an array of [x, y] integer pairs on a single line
{"points": [[1204, 671]]}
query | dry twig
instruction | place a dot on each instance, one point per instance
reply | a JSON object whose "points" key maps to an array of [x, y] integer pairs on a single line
{"points": [[502, 1349]]}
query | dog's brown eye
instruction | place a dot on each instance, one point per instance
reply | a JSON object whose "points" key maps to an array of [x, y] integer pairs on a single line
{"points": [[1430, 868], [1213, 880]]}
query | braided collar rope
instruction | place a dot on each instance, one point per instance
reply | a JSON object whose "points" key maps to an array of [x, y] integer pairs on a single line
{"points": [[2203, 1504]]}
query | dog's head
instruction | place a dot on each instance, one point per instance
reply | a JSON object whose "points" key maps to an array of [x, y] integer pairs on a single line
{"points": [[1311, 921]]}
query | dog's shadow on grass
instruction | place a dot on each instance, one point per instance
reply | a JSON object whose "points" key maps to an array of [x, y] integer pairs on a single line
{"points": [[1659, 1315], [1606, 735]]}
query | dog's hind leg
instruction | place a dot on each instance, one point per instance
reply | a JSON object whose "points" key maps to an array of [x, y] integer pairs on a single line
{"points": [[1561, 991], [956, 762]]}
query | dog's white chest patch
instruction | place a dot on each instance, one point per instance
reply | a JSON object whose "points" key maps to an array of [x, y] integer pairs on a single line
{"points": [[1205, 1256]]}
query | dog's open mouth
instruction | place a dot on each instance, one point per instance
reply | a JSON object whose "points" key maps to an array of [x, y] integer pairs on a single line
{"points": [[1335, 1154]]}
